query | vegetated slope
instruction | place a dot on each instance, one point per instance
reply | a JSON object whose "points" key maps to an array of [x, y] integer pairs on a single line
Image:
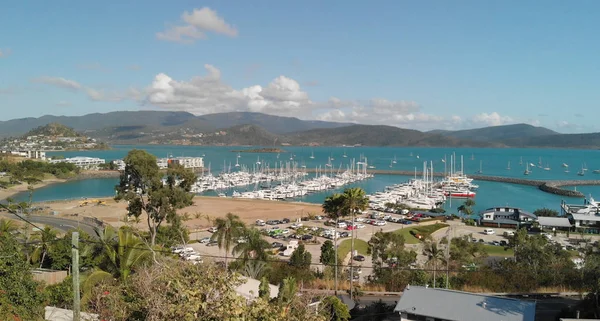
{"points": [[92, 122], [271, 123], [244, 135], [583, 141], [378, 135], [53, 129], [498, 133]]}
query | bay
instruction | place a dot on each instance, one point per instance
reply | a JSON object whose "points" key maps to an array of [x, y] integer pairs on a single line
{"points": [[492, 161]]}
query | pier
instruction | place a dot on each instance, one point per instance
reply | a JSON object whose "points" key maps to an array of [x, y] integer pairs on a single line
{"points": [[548, 186]]}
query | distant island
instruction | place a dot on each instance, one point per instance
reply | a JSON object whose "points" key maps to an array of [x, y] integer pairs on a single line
{"points": [[260, 150]]}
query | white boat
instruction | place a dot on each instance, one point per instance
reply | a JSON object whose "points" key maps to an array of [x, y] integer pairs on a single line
{"points": [[394, 161], [527, 171], [596, 171], [508, 167], [312, 155], [521, 161], [582, 171], [345, 154], [565, 165], [547, 168], [391, 164], [472, 157], [237, 163]]}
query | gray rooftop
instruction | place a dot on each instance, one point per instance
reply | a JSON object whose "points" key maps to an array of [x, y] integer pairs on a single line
{"points": [[554, 221], [463, 306], [585, 217]]}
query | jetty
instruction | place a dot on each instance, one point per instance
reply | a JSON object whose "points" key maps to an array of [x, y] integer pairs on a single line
{"points": [[548, 186]]}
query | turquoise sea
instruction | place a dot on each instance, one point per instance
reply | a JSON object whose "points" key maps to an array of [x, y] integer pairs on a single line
{"points": [[492, 161]]}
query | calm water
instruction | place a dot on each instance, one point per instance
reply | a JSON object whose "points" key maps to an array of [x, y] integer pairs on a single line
{"points": [[492, 162]]}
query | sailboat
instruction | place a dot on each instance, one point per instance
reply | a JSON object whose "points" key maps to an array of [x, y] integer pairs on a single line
{"points": [[345, 154], [582, 171], [547, 168], [508, 167], [328, 162], [564, 165], [237, 163], [480, 171], [258, 160], [312, 155], [521, 161], [527, 171], [411, 154], [391, 164], [540, 163], [239, 155], [291, 156], [417, 156], [472, 156], [584, 167], [394, 161], [596, 171]]}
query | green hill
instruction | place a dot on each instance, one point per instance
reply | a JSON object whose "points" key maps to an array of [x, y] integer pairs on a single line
{"points": [[53, 130], [498, 133]]}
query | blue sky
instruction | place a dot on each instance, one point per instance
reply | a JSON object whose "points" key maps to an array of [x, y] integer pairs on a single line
{"points": [[412, 64]]}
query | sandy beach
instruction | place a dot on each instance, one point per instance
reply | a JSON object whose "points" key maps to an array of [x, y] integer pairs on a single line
{"points": [[207, 208]]}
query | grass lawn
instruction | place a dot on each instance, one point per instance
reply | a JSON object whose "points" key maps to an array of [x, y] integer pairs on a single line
{"points": [[359, 245], [425, 230], [495, 250]]}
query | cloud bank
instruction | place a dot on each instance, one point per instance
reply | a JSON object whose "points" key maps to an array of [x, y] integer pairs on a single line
{"points": [[195, 25]]}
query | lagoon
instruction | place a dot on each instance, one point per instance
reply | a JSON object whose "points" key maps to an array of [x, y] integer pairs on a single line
{"points": [[493, 162]]}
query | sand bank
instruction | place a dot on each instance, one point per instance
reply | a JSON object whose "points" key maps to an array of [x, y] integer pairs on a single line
{"points": [[13, 190]]}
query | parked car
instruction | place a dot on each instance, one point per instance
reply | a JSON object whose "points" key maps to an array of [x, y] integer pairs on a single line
{"points": [[318, 217], [509, 234], [212, 229], [360, 225], [272, 222], [503, 243], [285, 221], [359, 258], [212, 243], [276, 245], [488, 231], [342, 225], [297, 225], [260, 223], [344, 234], [359, 219], [204, 240], [496, 243], [307, 237]]}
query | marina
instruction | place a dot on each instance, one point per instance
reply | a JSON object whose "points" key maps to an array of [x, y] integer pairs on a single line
{"points": [[499, 185]]}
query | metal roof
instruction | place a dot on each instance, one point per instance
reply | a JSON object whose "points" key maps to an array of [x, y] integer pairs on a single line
{"points": [[463, 306], [554, 221]]}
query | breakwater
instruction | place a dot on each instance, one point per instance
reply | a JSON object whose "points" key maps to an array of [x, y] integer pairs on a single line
{"points": [[548, 186]]}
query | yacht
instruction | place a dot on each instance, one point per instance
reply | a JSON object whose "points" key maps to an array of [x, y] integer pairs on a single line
{"points": [[508, 167], [312, 155], [527, 171], [394, 161]]}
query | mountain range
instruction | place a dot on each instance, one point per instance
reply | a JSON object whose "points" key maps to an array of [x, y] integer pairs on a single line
{"points": [[247, 128]]}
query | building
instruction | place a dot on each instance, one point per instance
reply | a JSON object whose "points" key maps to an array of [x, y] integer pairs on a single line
{"points": [[585, 216], [551, 223], [82, 162], [427, 304], [188, 162], [510, 217]]}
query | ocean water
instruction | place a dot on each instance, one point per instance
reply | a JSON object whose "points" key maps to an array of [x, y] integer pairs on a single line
{"points": [[492, 162]]}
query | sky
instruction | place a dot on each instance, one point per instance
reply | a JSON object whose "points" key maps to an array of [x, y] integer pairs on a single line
{"points": [[413, 64]]}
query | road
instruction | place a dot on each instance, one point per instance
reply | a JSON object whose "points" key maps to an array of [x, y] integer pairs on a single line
{"points": [[60, 224]]}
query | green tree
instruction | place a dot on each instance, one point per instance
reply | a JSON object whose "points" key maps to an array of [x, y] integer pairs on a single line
{"points": [[142, 187], [8, 226], [254, 247], [45, 239], [264, 289], [301, 258], [546, 212], [60, 295], [467, 207], [287, 290], [21, 298], [229, 229], [334, 309], [327, 253], [355, 201], [333, 207], [434, 256]]}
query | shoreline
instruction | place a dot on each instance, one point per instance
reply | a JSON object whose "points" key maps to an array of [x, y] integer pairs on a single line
{"points": [[14, 190]]}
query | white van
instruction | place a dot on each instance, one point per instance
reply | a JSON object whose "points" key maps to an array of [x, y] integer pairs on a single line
{"points": [[488, 231]]}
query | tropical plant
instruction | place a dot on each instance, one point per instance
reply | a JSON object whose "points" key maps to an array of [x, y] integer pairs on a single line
{"points": [[45, 240], [355, 200], [254, 246], [123, 252], [434, 256], [546, 212], [8, 226], [327, 253], [467, 207], [335, 310], [333, 208], [229, 229]]}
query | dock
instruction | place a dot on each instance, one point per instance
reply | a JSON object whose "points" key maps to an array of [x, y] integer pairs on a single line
{"points": [[548, 186]]}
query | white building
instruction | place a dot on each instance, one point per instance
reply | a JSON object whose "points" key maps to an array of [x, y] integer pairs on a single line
{"points": [[188, 162], [83, 162]]}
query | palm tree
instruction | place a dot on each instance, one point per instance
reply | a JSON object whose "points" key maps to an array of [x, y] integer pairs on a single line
{"points": [[229, 229], [355, 201], [8, 226], [123, 252], [333, 209], [45, 239], [254, 269], [434, 255], [466, 207], [255, 246]]}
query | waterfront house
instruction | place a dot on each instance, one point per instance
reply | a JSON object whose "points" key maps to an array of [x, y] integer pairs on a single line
{"points": [[428, 304], [586, 216], [510, 217]]}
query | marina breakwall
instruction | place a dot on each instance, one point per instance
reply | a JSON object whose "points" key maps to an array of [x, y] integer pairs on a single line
{"points": [[549, 186]]}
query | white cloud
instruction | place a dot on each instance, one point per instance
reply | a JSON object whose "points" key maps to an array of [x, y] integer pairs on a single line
{"points": [[58, 82], [195, 26], [208, 94], [492, 119]]}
